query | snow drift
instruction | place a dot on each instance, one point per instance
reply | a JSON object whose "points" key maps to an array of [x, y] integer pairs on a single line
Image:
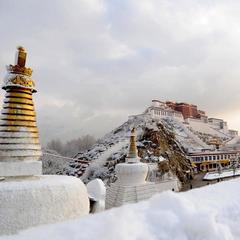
{"points": [[211, 212]]}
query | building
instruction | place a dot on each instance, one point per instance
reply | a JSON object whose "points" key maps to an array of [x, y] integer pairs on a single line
{"points": [[187, 110], [191, 116], [209, 161], [233, 133], [160, 109]]}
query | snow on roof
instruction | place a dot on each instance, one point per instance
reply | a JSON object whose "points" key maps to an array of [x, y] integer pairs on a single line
{"points": [[209, 213]]}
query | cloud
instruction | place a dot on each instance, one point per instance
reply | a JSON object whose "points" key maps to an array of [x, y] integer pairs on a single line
{"points": [[95, 61]]}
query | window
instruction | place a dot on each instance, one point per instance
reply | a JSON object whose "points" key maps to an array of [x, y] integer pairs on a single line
{"points": [[206, 158], [214, 157], [210, 157], [218, 157]]}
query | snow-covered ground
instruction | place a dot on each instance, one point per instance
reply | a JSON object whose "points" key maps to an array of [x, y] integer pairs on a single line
{"points": [[206, 128], [185, 137], [224, 174], [208, 213]]}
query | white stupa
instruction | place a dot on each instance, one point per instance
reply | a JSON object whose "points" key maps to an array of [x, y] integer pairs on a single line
{"points": [[131, 185], [28, 198]]}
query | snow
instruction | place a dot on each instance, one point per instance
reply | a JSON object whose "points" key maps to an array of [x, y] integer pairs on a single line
{"points": [[233, 141], [224, 174], [96, 189], [99, 162], [110, 149], [32, 201], [208, 213], [185, 137], [205, 128]]}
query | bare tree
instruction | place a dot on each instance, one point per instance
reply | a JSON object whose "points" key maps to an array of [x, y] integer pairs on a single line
{"points": [[72, 147]]}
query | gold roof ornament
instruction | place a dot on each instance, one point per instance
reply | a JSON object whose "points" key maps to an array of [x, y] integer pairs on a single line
{"points": [[19, 74], [19, 141], [133, 152]]}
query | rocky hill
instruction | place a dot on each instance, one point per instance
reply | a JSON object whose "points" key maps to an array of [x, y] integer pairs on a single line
{"points": [[156, 143]]}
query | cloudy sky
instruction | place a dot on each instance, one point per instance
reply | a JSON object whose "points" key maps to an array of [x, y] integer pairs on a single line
{"points": [[97, 61]]}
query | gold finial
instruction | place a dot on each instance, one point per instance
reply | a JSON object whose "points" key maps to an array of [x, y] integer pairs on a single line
{"points": [[20, 61], [21, 56], [21, 48], [19, 75], [133, 147]]}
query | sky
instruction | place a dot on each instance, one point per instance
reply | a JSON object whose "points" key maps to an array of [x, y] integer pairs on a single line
{"points": [[96, 62]]}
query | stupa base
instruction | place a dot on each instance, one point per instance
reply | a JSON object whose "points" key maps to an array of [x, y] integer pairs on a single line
{"points": [[20, 168], [32, 201], [118, 195]]}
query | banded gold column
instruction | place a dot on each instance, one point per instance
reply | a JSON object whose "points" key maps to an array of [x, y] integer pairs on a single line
{"points": [[20, 149]]}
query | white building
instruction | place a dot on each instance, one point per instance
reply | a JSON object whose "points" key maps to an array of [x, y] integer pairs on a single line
{"points": [[159, 109]]}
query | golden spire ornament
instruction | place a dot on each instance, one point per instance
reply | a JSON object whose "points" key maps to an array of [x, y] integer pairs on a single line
{"points": [[133, 152], [20, 149]]}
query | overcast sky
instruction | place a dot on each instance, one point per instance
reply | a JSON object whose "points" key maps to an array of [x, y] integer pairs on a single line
{"points": [[97, 61]]}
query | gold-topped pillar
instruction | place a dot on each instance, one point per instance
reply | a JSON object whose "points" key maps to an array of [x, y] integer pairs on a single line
{"points": [[133, 152], [20, 149]]}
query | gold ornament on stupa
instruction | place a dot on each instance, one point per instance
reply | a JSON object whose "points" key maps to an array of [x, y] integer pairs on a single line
{"points": [[133, 152], [19, 140]]}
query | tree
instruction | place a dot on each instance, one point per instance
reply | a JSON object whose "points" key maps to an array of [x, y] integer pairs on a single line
{"points": [[72, 147], [56, 145]]}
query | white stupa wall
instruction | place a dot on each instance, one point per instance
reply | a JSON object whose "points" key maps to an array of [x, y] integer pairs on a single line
{"points": [[118, 195], [29, 202]]}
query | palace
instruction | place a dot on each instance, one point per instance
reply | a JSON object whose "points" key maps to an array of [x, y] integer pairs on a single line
{"points": [[191, 116]]}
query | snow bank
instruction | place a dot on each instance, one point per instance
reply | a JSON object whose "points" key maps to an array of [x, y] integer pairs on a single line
{"points": [[224, 174], [211, 212]]}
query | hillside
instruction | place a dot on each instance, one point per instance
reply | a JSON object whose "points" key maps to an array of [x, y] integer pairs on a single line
{"points": [[156, 144]]}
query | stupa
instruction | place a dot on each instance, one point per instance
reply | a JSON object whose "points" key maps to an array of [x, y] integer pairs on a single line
{"points": [[28, 198], [131, 185], [20, 149]]}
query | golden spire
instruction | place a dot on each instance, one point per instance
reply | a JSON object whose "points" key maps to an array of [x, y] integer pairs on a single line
{"points": [[18, 73], [21, 57], [19, 139], [133, 153]]}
